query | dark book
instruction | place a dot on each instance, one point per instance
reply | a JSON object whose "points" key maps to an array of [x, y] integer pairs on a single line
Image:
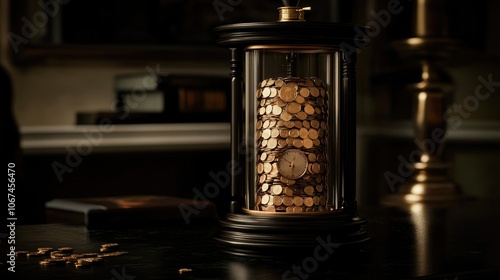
{"points": [[128, 211]]}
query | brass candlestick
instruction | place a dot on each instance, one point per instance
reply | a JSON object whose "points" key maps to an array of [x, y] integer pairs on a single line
{"points": [[431, 44]]}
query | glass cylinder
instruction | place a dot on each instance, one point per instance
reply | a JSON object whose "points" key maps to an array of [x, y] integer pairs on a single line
{"points": [[291, 124]]}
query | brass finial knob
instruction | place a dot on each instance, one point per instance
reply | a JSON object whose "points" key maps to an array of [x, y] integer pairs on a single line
{"points": [[290, 13]]}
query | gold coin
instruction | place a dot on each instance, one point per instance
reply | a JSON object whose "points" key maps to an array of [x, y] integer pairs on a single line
{"points": [[319, 179], [288, 201], [288, 191], [258, 200], [105, 245], [309, 190], [313, 133], [280, 123], [36, 254], [275, 132], [258, 93], [309, 168], [317, 110], [289, 141], [287, 93], [316, 142], [267, 167], [284, 133], [262, 110], [314, 91], [263, 83], [317, 81], [311, 157], [322, 167], [262, 102], [283, 179], [277, 200], [301, 115], [264, 143], [304, 92], [292, 84], [315, 168], [270, 82], [315, 123], [270, 208], [260, 168], [289, 209], [289, 124], [308, 109], [309, 82], [259, 124], [322, 92], [297, 209], [269, 109], [258, 135], [271, 157], [297, 143], [308, 201], [321, 132], [280, 102], [266, 92], [265, 199], [276, 110], [263, 156], [319, 188], [297, 124], [294, 133], [271, 201], [273, 93], [298, 201], [266, 133], [300, 99], [262, 178], [281, 143], [277, 189], [279, 83], [293, 107], [265, 187], [272, 143], [306, 124], [303, 133], [285, 116], [322, 200], [316, 200], [308, 143]]}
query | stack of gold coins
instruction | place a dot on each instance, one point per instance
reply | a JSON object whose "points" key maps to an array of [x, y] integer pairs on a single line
{"points": [[292, 121]]}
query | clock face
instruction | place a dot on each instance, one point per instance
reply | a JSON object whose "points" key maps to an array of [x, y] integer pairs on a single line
{"points": [[292, 164]]}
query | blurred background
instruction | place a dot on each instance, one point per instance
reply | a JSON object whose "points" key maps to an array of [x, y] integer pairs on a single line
{"points": [[131, 97]]}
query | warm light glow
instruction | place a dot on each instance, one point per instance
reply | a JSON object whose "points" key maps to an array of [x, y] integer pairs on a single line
{"points": [[412, 198], [425, 158], [414, 41], [418, 189], [416, 208], [421, 177]]}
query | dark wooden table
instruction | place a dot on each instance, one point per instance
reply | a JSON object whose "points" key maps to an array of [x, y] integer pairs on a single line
{"points": [[460, 242]]}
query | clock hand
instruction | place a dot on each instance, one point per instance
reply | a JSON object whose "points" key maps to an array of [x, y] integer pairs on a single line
{"points": [[287, 160]]}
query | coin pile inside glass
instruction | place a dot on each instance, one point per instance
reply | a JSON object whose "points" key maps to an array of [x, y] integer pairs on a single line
{"points": [[65, 256], [292, 114]]}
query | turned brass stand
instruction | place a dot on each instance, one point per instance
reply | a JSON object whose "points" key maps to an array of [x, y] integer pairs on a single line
{"points": [[430, 182]]}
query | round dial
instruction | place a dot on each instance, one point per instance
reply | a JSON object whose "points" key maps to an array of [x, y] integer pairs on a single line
{"points": [[292, 164]]}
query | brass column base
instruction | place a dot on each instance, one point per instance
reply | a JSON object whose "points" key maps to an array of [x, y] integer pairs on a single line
{"points": [[430, 184]]}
